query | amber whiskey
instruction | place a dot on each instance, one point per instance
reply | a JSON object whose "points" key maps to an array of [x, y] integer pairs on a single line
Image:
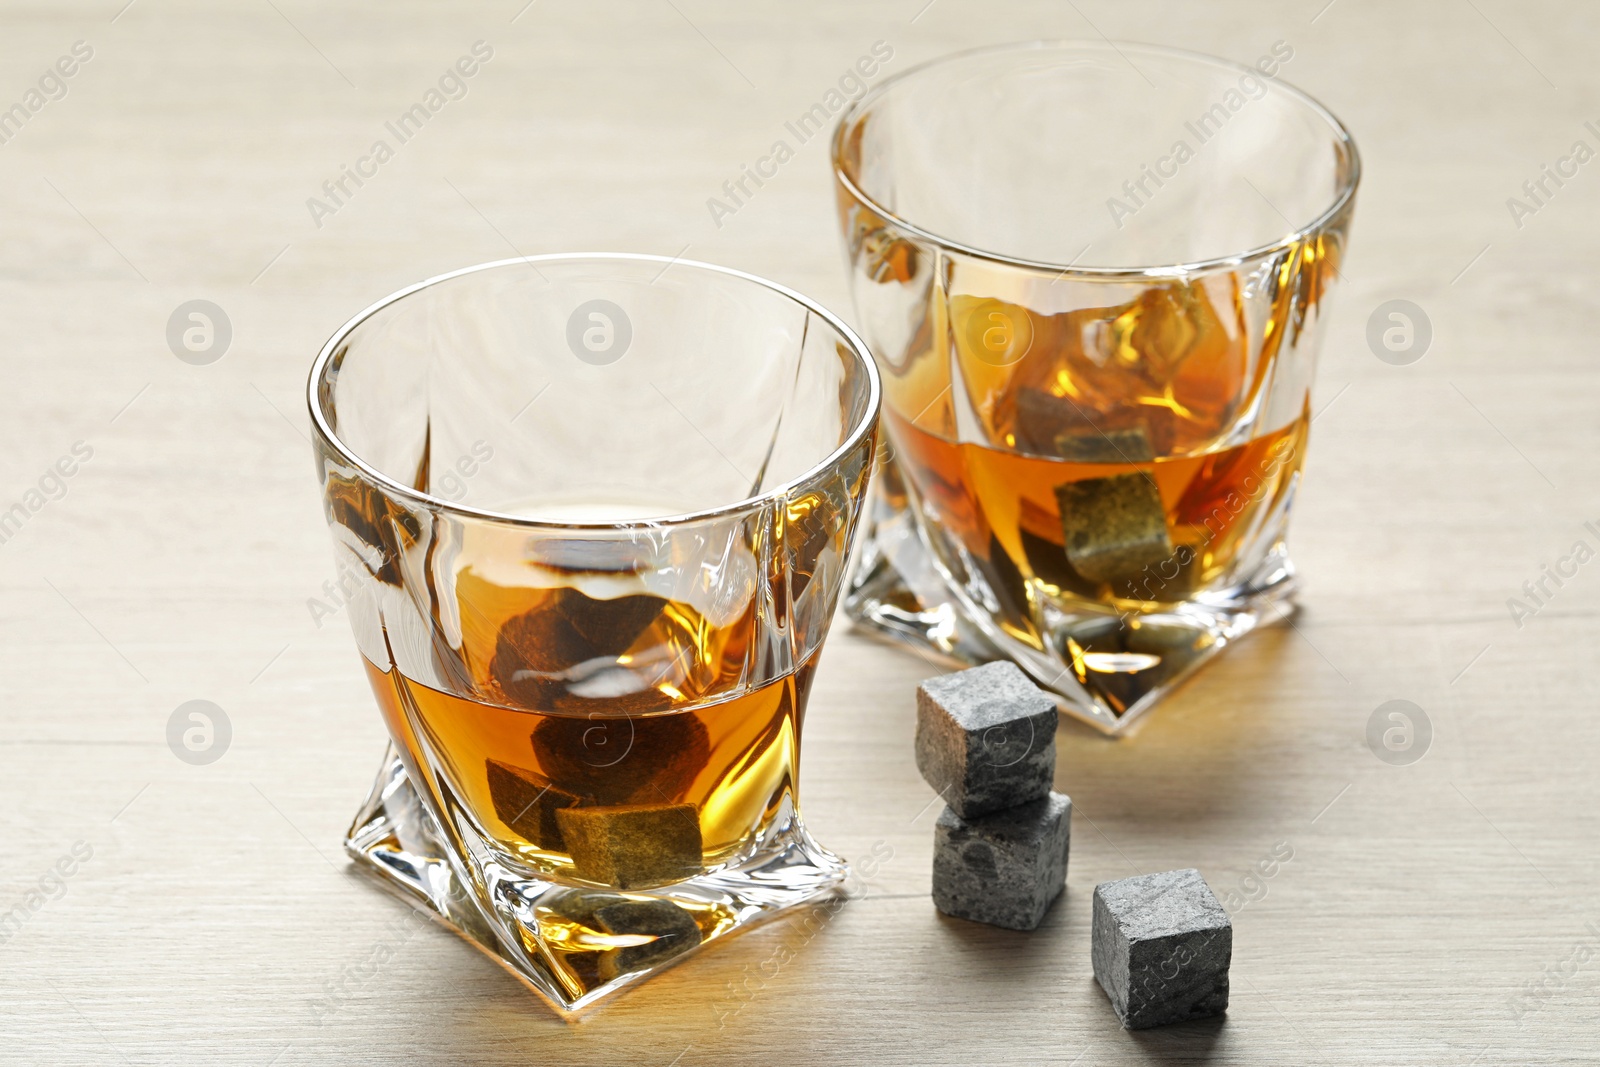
{"points": [[606, 740], [1089, 464]]}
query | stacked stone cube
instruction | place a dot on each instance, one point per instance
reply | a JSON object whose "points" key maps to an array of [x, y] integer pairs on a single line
{"points": [[986, 742]]}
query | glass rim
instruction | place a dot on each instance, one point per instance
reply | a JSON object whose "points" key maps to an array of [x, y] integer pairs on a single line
{"points": [[858, 349], [1229, 261]]}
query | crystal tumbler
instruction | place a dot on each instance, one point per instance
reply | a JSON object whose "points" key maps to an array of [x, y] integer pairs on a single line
{"points": [[594, 512], [1093, 276]]}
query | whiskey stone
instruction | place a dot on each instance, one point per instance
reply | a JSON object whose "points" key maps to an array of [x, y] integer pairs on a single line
{"points": [[534, 650], [1115, 527], [1056, 426], [986, 738], [1004, 869], [633, 846], [1161, 945], [528, 804], [1130, 445], [673, 927], [623, 759]]}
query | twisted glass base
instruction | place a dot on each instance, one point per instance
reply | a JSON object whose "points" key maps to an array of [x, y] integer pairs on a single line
{"points": [[1106, 668], [572, 944]]}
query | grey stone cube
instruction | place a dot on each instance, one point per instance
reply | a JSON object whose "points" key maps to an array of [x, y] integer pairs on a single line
{"points": [[1114, 527], [633, 846], [672, 926], [527, 803], [1050, 425], [986, 738], [1161, 945], [1004, 869]]}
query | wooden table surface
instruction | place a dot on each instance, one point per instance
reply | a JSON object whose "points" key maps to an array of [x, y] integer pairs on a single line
{"points": [[1443, 912]]}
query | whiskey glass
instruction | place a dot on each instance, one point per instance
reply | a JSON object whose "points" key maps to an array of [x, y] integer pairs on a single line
{"points": [[593, 512], [1093, 276]]}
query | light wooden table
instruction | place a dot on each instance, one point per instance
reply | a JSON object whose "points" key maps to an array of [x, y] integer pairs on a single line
{"points": [[216, 912]]}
